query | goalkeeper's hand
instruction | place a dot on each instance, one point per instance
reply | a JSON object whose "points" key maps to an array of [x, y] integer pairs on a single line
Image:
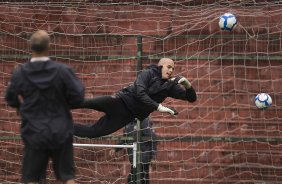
{"points": [[167, 110], [183, 81]]}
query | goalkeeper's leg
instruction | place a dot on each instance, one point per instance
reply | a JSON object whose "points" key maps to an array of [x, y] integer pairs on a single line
{"points": [[101, 103], [117, 116]]}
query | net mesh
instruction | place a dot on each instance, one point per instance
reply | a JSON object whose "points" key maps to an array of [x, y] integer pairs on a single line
{"points": [[221, 138]]}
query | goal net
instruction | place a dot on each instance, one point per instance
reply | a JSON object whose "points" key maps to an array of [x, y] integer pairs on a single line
{"points": [[221, 138]]}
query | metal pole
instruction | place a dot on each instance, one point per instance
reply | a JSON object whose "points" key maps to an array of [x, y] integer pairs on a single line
{"points": [[139, 151], [139, 54], [134, 162], [103, 145], [137, 177]]}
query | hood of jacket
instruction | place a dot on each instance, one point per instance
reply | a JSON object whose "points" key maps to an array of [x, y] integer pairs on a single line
{"points": [[40, 73], [156, 69]]}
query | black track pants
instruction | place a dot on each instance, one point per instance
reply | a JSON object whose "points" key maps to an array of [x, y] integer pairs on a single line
{"points": [[116, 116]]}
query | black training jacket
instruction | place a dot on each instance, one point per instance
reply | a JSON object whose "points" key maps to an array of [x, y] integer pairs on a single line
{"points": [[149, 90], [49, 90]]}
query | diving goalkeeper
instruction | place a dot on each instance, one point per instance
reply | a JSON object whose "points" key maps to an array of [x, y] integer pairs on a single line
{"points": [[151, 87]]}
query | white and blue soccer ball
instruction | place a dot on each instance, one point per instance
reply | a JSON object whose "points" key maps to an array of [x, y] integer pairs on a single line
{"points": [[227, 22], [263, 101]]}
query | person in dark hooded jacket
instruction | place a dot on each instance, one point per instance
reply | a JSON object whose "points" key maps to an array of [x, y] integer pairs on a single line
{"points": [[44, 91], [148, 148], [151, 87]]}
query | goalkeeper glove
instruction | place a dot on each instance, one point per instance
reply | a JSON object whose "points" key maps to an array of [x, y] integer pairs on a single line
{"points": [[183, 81], [166, 109]]}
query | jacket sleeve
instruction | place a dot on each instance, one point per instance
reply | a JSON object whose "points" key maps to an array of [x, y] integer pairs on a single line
{"points": [[141, 86], [13, 91], [184, 94], [74, 88]]}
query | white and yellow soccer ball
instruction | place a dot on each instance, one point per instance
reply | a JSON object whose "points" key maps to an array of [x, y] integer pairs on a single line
{"points": [[263, 101], [227, 22]]}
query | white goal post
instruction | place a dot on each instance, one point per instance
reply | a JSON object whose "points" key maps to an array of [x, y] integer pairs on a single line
{"points": [[133, 146]]}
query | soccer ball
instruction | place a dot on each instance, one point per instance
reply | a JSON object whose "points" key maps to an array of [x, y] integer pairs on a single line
{"points": [[227, 22], [263, 101]]}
